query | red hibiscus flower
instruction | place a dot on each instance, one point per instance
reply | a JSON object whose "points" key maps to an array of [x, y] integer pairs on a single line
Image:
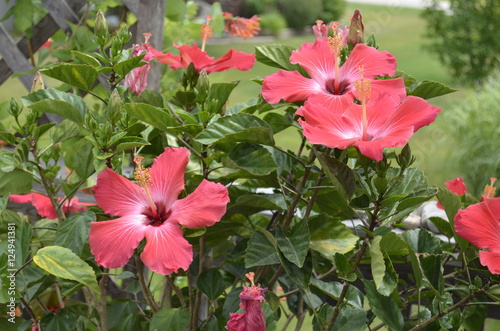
{"points": [[252, 319], [201, 61], [137, 79], [457, 186], [333, 83], [149, 209], [480, 225], [44, 207], [381, 122]]}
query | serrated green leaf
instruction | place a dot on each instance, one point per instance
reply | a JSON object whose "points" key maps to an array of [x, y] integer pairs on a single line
{"points": [[60, 108], [157, 117], [81, 76], [79, 157], [300, 276], [341, 176], [8, 137], [260, 251], [126, 143], [333, 289], [296, 245], [393, 244], [6, 160], [350, 318], [278, 122], [329, 236], [88, 59], [238, 127], [385, 309], [73, 233], [172, 319], [249, 204], [277, 56], [62, 262], [429, 89], [124, 67], [253, 158], [16, 181], [211, 283], [54, 94]]}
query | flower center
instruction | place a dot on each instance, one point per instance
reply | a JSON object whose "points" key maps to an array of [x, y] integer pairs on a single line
{"points": [[158, 218], [143, 179], [337, 88]]}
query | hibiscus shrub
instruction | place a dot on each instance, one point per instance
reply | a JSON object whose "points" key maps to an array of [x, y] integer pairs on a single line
{"points": [[185, 199]]}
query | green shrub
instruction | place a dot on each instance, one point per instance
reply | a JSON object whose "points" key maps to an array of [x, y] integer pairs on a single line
{"points": [[474, 124], [272, 23], [332, 10], [300, 13]]}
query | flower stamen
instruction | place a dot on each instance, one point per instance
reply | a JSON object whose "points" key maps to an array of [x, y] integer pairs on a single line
{"points": [[336, 45], [143, 179], [489, 190], [206, 32], [363, 91]]}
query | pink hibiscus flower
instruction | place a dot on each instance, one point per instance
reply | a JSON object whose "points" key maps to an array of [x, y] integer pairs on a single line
{"points": [[44, 207], [137, 79], [252, 319], [381, 122], [480, 225], [333, 83], [149, 209], [192, 54]]}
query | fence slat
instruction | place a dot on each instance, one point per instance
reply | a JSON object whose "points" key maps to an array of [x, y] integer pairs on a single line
{"points": [[60, 12]]}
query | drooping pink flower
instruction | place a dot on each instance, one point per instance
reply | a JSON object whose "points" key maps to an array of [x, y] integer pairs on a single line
{"points": [[480, 225], [381, 122], [252, 319], [201, 61], [457, 186], [149, 209], [44, 207], [330, 81], [137, 79]]}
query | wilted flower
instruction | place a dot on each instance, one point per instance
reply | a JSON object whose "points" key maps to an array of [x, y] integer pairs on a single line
{"points": [[137, 79], [240, 26]]}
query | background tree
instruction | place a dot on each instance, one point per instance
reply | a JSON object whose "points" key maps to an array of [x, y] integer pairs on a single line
{"points": [[465, 37]]}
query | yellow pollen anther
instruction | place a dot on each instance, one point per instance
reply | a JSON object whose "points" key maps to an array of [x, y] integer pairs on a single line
{"points": [[363, 86], [147, 35], [489, 190], [336, 43], [141, 174]]}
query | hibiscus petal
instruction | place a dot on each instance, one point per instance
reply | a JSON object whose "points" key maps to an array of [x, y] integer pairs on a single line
{"points": [[395, 87], [232, 60], [113, 242], [289, 86], [166, 249], [192, 54], [317, 59], [117, 195], [167, 175], [43, 206], [174, 61], [478, 225], [457, 186], [490, 260], [204, 207], [22, 198], [374, 62]]}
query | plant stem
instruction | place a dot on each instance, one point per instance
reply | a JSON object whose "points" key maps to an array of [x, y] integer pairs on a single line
{"points": [[144, 286]]}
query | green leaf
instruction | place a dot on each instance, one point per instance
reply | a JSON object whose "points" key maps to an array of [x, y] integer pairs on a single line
{"points": [[333, 289], [329, 236], [261, 251], [21, 153], [15, 182], [22, 232], [238, 127], [393, 244], [422, 241], [452, 203], [62, 262], [253, 158], [277, 56], [54, 94], [249, 204], [126, 143], [429, 89], [124, 67], [385, 309], [81, 76], [6, 160], [172, 319], [65, 130], [79, 157], [278, 122], [296, 245], [73, 233], [8, 137], [341, 176], [443, 226], [60, 108], [211, 283], [377, 263], [350, 318], [300, 276], [155, 116], [88, 59], [219, 93]]}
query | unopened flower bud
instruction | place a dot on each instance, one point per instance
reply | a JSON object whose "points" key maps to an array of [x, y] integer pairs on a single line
{"points": [[37, 83], [14, 109], [405, 159], [101, 32], [203, 87], [356, 30], [114, 108]]}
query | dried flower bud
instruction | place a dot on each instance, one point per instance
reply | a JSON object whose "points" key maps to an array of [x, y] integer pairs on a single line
{"points": [[37, 83]]}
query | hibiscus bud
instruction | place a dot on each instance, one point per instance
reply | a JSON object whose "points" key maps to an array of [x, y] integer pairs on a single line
{"points": [[356, 30], [37, 83], [203, 87], [405, 158], [14, 109], [113, 111], [101, 32]]}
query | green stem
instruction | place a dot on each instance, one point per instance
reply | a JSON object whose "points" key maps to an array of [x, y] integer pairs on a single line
{"points": [[145, 289]]}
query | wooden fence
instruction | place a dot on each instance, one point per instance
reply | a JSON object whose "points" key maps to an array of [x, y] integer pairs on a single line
{"points": [[15, 54]]}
